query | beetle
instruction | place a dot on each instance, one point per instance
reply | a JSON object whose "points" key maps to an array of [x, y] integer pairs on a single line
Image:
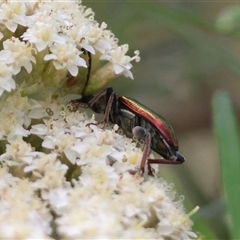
{"points": [[137, 121]]}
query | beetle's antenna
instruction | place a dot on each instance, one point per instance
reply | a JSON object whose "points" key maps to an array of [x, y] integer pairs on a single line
{"points": [[89, 69]]}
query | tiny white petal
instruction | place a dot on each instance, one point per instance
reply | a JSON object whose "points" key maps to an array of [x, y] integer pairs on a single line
{"points": [[71, 155]]}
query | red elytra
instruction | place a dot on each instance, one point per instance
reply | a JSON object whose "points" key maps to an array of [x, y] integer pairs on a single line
{"points": [[155, 119]]}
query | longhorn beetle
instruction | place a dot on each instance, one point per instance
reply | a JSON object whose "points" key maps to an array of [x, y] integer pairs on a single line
{"points": [[137, 121]]}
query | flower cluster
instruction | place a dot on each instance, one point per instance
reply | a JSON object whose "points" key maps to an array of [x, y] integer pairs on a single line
{"points": [[47, 42], [61, 175], [79, 179]]}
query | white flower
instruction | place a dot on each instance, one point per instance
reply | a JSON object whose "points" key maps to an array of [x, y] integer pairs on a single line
{"points": [[46, 37], [7, 83], [120, 62], [12, 14], [44, 109], [18, 153], [49, 173], [43, 35], [99, 176], [61, 175], [66, 57], [109, 197], [17, 54], [14, 121], [22, 213]]}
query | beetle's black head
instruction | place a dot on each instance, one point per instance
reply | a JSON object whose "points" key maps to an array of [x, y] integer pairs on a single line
{"points": [[180, 158], [173, 155], [99, 102], [84, 99]]}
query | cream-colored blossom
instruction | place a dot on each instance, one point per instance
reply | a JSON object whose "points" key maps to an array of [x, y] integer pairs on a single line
{"points": [[109, 197], [50, 41], [62, 176], [43, 35], [66, 56], [7, 82], [13, 120], [13, 13], [120, 62], [23, 215], [17, 54]]}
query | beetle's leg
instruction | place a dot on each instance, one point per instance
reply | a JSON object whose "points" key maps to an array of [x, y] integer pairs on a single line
{"points": [[151, 171], [89, 104], [142, 133], [108, 108], [163, 161], [107, 111], [89, 70], [71, 81]]}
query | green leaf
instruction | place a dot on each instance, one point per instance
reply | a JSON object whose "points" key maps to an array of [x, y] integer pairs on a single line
{"points": [[226, 131]]}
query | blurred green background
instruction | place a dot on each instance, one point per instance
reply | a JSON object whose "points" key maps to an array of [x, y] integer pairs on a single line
{"points": [[189, 51]]}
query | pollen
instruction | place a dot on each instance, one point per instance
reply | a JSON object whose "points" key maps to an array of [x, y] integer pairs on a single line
{"points": [[98, 151], [133, 159]]}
